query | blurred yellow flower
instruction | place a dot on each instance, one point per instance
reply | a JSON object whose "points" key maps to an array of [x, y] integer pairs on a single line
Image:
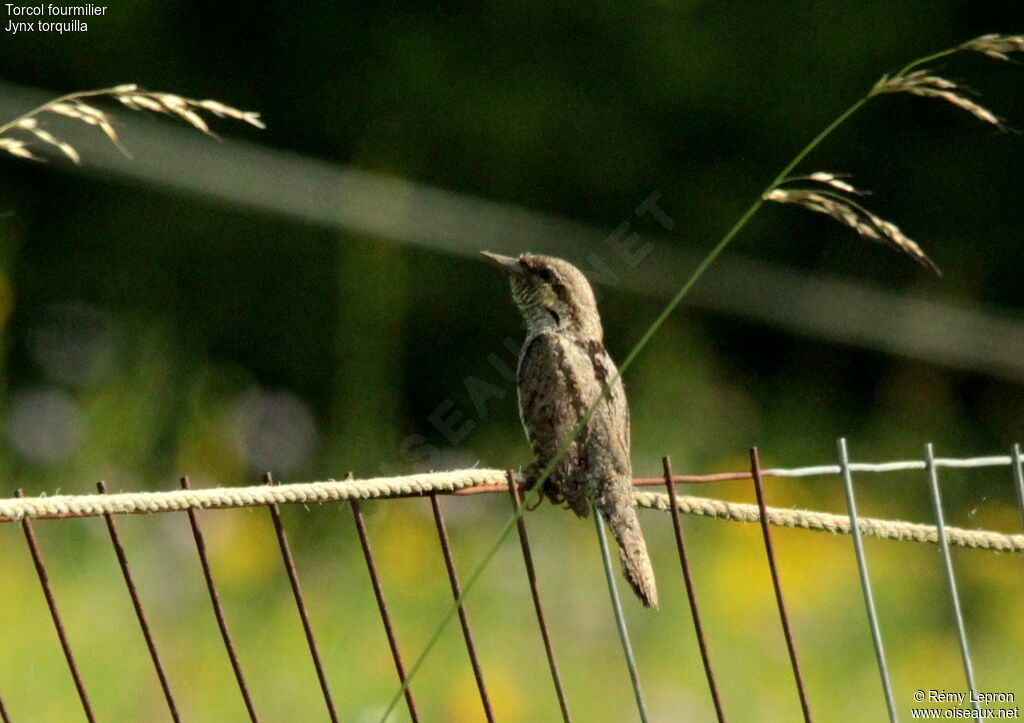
{"points": [[242, 546], [464, 699], [409, 540]]}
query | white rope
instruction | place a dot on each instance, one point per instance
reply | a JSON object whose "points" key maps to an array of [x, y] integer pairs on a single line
{"points": [[384, 487], [838, 524], [220, 497]]}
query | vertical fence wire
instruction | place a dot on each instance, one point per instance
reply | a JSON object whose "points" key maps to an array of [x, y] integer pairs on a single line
{"points": [[755, 472], [684, 561], [467, 633], [865, 580], [620, 618], [51, 602], [1017, 464], [1018, 478], [947, 558], [531, 576], [300, 603], [382, 606], [140, 613], [218, 610]]}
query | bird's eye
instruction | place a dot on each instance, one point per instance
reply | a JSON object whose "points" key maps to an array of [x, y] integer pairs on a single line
{"points": [[546, 274]]}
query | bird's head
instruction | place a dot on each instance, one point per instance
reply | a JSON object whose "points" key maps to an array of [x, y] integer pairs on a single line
{"points": [[552, 294]]}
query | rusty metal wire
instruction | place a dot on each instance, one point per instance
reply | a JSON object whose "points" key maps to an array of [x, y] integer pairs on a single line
{"points": [[382, 606], [467, 633], [218, 609], [944, 535], [531, 576], [51, 603], [755, 472], [140, 613], [300, 603], [691, 593]]}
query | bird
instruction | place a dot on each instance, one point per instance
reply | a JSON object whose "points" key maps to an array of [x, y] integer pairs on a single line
{"points": [[564, 371]]}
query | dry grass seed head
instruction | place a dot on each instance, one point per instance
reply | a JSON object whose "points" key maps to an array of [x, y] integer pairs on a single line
{"points": [[97, 117], [860, 220], [225, 111], [30, 125], [132, 98], [834, 180], [71, 111], [90, 112], [996, 46], [141, 102], [922, 83], [17, 148]]}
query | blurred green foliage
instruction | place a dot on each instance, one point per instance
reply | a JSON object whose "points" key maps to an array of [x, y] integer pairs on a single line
{"points": [[149, 335]]}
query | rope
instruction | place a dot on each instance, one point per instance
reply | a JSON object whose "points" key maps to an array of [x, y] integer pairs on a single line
{"points": [[62, 506], [222, 497], [838, 524]]}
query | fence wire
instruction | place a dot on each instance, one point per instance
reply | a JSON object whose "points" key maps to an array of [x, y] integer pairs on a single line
{"points": [[476, 481]]}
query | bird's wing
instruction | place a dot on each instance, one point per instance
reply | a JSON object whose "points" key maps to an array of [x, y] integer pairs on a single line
{"points": [[554, 392], [609, 425], [557, 385]]}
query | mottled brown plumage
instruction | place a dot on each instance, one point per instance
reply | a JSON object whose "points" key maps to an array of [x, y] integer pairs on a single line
{"points": [[563, 371]]}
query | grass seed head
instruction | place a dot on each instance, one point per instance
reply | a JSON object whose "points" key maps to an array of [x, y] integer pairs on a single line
{"points": [[17, 148], [131, 97], [855, 216], [922, 83], [835, 181], [996, 46]]}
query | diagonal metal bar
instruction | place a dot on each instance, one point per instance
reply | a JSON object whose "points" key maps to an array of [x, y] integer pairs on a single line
{"points": [[218, 610], [865, 581], [755, 472], [620, 618], [467, 633], [140, 613], [531, 575], [4, 718], [947, 559], [385, 617], [1018, 478], [300, 603], [684, 561], [51, 602]]}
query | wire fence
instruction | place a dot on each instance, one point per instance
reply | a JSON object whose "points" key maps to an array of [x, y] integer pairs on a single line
{"points": [[435, 486]]}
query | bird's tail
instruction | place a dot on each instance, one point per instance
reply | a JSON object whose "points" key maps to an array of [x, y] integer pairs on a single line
{"points": [[636, 565]]}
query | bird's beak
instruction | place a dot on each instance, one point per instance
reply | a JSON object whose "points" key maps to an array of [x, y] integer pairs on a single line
{"points": [[507, 263]]}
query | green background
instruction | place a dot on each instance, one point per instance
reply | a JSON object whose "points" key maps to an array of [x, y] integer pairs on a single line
{"points": [[165, 333]]}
